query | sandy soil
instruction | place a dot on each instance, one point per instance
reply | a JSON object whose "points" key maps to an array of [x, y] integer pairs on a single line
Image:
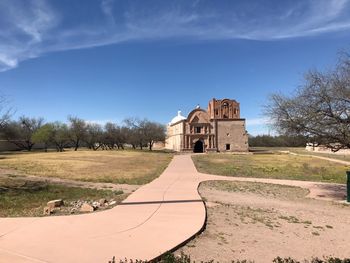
{"points": [[262, 221]]}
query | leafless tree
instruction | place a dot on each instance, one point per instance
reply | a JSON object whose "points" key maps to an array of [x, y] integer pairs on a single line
{"points": [[5, 111], [20, 132], [77, 131], [152, 132], [94, 136], [114, 135], [320, 108], [135, 132]]}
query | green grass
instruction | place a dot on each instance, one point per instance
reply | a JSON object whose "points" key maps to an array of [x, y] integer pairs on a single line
{"points": [[278, 166], [28, 198]]}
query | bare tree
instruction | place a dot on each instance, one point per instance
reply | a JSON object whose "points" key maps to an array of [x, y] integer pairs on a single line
{"points": [[20, 132], [5, 111], [77, 131], [319, 110], [94, 136], [114, 136], [152, 132], [136, 132], [131, 136]]}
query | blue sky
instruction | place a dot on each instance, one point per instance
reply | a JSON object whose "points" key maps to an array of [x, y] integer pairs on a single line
{"points": [[105, 60]]}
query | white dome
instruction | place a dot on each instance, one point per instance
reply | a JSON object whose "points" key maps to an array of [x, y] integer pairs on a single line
{"points": [[177, 118]]}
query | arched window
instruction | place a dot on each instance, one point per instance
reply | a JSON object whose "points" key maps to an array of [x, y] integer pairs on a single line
{"points": [[225, 110]]}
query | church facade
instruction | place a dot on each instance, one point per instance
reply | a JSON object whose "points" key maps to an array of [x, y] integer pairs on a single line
{"points": [[217, 129]]}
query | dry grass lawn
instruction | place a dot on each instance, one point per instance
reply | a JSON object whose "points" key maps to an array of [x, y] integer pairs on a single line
{"points": [[275, 165], [301, 150], [130, 167]]}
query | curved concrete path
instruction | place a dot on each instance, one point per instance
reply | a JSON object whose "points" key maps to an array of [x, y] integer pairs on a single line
{"points": [[154, 219], [318, 157]]}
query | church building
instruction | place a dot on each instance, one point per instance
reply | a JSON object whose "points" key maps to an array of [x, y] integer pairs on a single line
{"points": [[217, 129]]}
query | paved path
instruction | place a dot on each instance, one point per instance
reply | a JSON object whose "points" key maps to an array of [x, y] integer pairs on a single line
{"points": [[318, 157], [155, 218]]}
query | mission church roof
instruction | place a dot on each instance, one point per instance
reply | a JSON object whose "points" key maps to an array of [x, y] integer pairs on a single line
{"points": [[177, 118]]}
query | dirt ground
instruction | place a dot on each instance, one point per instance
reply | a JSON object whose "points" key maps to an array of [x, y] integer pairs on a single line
{"points": [[259, 222]]}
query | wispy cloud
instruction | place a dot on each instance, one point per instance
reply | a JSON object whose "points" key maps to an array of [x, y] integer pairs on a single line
{"points": [[259, 126], [30, 28], [257, 121]]}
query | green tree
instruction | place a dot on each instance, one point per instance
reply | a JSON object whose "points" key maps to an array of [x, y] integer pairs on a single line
{"points": [[44, 135], [60, 137]]}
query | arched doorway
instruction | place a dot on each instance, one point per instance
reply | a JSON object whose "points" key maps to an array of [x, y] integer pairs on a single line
{"points": [[198, 147]]}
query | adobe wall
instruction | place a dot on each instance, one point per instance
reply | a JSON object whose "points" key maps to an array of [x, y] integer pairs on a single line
{"points": [[174, 137], [232, 132]]}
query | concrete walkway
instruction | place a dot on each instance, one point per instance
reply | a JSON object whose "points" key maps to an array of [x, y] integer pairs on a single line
{"points": [[154, 219], [318, 157]]}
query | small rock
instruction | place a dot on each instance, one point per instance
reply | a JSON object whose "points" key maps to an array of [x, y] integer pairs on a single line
{"points": [[112, 203], [102, 201], [47, 210], [96, 205], [211, 204], [55, 203], [87, 208]]}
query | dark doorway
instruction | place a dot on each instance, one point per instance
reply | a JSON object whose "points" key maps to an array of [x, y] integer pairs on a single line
{"points": [[198, 147]]}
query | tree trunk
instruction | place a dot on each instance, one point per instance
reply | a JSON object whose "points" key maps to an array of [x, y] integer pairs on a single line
{"points": [[30, 146], [76, 145]]}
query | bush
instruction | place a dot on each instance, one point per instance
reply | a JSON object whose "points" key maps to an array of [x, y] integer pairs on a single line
{"points": [[183, 258], [314, 260]]}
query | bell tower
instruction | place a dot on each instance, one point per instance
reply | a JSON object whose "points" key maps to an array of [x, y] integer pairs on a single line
{"points": [[223, 109]]}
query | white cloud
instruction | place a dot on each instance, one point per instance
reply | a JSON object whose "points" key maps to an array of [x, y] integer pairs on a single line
{"points": [[257, 121], [259, 126], [34, 27], [23, 27]]}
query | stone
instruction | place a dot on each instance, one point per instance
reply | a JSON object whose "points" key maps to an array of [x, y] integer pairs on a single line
{"points": [[112, 203], [87, 208], [96, 205], [48, 210], [102, 201], [55, 203]]}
